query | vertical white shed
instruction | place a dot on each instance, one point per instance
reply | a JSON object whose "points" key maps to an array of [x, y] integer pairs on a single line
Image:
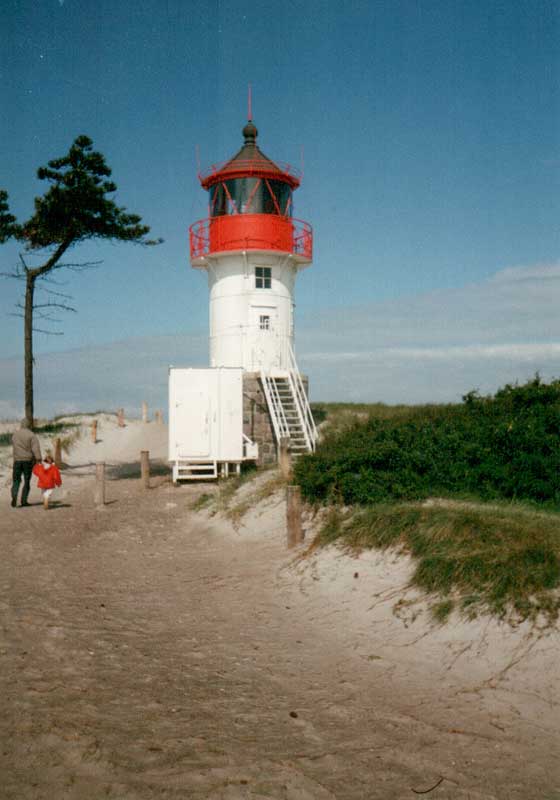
{"points": [[205, 421]]}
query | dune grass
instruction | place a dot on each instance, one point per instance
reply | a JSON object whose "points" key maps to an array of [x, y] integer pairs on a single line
{"points": [[338, 418], [46, 429], [331, 411], [219, 501], [78, 414], [502, 559], [202, 501], [67, 432], [259, 492], [237, 495], [52, 428]]}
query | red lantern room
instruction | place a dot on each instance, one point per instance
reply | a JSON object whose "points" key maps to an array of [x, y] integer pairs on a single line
{"points": [[250, 208]]}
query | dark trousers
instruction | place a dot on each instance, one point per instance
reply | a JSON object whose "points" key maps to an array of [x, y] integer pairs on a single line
{"points": [[21, 469]]}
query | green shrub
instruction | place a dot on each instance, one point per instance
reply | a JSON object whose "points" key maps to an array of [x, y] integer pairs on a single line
{"points": [[505, 446]]}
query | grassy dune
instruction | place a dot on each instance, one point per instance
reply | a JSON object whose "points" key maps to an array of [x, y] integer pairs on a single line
{"points": [[472, 557], [471, 491]]}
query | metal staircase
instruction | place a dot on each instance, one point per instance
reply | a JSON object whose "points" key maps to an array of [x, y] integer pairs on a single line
{"points": [[289, 408]]}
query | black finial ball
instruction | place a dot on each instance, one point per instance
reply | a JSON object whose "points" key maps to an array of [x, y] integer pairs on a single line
{"points": [[250, 132]]}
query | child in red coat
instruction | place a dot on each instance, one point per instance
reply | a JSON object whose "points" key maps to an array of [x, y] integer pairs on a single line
{"points": [[49, 477]]}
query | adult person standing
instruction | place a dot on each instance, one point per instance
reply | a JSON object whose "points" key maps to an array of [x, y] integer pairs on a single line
{"points": [[26, 451]]}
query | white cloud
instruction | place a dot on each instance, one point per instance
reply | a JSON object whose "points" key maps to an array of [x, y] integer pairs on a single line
{"points": [[520, 352], [538, 272], [437, 346]]}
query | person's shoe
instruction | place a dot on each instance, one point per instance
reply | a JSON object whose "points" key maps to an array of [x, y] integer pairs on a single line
{"points": [[14, 502], [24, 504]]}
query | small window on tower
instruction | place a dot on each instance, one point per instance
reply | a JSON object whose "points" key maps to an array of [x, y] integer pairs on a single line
{"points": [[264, 323], [263, 277]]}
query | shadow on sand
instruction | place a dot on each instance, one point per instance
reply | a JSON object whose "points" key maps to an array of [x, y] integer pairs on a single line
{"points": [[53, 505], [132, 470]]}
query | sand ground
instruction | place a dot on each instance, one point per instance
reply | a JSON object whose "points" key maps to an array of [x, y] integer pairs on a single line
{"points": [[149, 651]]}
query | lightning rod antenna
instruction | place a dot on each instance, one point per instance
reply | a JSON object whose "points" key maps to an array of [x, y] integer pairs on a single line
{"points": [[249, 105]]}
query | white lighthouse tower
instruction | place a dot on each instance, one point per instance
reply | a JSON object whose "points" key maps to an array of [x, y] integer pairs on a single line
{"points": [[252, 248]]}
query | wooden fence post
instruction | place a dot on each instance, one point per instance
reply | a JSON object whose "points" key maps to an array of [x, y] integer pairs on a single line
{"points": [[120, 417], [58, 453], [293, 515], [145, 468], [99, 497], [285, 458], [94, 431], [144, 412]]}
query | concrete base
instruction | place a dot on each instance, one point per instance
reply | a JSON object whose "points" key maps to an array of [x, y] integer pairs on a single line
{"points": [[257, 424]]}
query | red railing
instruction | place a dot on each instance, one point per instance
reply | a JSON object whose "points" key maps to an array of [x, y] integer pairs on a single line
{"points": [[248, 167], [251, 232]]}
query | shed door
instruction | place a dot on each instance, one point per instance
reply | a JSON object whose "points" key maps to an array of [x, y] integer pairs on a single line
{"points": [[193, 425]]}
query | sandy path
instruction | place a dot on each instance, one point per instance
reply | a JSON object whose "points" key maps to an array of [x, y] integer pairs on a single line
{"points": [[148, 652]]}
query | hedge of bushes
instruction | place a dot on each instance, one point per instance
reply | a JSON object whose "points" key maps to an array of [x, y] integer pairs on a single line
{"points": [[501, 446]]}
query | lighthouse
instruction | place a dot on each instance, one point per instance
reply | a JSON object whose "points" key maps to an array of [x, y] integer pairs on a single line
{"points": [[252, 248]]}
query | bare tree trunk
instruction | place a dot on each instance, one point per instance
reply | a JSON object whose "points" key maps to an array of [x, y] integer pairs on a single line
{"points": [[31, 276], [28, 336]]}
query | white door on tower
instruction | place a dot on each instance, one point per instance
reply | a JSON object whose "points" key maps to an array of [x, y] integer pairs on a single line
{"points": [[263, 338]]}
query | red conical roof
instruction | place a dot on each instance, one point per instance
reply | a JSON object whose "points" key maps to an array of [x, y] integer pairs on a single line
{"points": [[248, 162]]}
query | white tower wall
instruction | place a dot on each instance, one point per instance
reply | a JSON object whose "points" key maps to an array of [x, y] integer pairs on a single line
{"points": [[251, 326]]}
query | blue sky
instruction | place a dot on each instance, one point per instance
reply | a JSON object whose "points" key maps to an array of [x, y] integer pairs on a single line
{"points": [[432, 176]]}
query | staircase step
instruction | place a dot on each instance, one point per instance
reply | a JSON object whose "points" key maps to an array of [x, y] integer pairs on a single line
{"points": [[285, 409]]}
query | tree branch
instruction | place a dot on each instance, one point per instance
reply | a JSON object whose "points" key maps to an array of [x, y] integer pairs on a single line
{"points": [[63, 306], [25, 267], [47, 317], [56, 294], [78, 266], [48, 333], [18, 276], [36, 272], [49, 279]]}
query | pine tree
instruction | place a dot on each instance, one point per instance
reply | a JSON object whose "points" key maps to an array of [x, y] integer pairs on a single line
{"points": [[8, 227], [75, 208]]}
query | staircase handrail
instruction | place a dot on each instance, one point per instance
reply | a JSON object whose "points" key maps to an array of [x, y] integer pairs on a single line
{"points": [[300, 411], [302, 402], [279, 422]]}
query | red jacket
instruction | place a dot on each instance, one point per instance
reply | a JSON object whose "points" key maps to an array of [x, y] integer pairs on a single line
{"points": [[48, 478]]}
